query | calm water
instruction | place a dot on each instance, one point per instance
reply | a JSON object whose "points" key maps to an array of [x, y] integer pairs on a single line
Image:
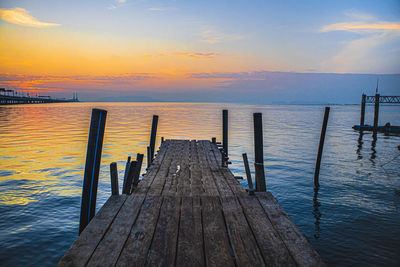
{"points": [[354, 218]]}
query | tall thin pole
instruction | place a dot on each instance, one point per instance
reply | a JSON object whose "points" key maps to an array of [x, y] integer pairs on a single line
{"points": [[153, 136], [376, 113], [362, 117], [258, 149], [92, 167], [225, 131], [321, 147]]}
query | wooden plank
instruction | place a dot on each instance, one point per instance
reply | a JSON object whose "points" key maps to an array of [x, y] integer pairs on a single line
{"points": [[299, 247], [190, 241], [240, 235], [107, 252], [171, 179], [81, 251], [160, 163], [157, 186], [184, 183], [163, 247], [221, 183], [271, 245], [233, 183], [208, 182], [216, 242], [196, 179], [137, 246]]}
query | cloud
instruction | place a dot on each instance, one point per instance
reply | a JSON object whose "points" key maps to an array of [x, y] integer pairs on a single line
{"points": [[121, 1], [367, 53], [21, 17], [196, 55], [213, 37], [357, 26]]}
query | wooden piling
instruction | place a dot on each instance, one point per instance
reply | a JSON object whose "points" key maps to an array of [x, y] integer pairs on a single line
{"points": [[148, 157], [126, 169], [321, 147], [129, 179], [92, 167], [248, 173], [114, 179], [162, 139], [225, 131], [376, 113], [214, 140], [153, 136], [258, 149], [136, 175], [362, 117]]}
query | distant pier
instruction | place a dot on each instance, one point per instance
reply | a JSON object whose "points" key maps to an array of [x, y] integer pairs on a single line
{"points": [[377, 99], [10, 97]]}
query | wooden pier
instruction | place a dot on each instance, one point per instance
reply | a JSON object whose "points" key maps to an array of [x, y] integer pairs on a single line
{"points": [[189, 210]]}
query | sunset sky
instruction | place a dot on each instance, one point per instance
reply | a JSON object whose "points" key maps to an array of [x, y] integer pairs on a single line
{"points": [[200, 50]]}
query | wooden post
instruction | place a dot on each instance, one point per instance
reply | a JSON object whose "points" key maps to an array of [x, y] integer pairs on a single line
{"points": [[92, 167], [321, 147], [129, 179], [136, 175], [128, 162], [248, 174], [162, 139], [363, 100], [153, 136], [258, 149], [225, 131], [148, 157], [214, 140], [376, 113], [114, 179]]}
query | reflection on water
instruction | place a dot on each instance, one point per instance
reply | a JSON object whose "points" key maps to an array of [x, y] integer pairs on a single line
{"points": [[42, 154]]}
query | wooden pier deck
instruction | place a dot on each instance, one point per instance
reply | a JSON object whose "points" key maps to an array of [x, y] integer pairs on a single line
{"points": [[189, 210]]}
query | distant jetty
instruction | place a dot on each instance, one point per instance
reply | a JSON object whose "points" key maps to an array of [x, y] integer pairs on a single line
{"points": [[376, 100], [11, 97]]}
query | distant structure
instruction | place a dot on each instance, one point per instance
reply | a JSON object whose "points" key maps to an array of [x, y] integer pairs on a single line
{"points": [[376, 100], [10, 97]]}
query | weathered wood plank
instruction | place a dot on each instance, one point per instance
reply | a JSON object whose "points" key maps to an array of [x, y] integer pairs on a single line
{"points": [[107, 252], [216, 242], [234, 185], [81, 251], [240, 235], [208, 182], [163, 247], [160, 163], [196, 179], [137, 246], [299, 247], [190, 241], [270, 243]]}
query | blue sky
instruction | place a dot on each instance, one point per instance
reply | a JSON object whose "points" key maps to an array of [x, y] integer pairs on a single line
{"points": [[170, 42]]}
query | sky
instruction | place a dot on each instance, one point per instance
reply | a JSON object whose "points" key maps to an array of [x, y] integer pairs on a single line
{"points": [[225, 51]]}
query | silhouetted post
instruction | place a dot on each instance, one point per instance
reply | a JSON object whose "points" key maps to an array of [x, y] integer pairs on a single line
{"points": [[376, 114], [248, 174], [258, 149], [127, 167], [363, 100], [225, 131], [129, 179], [153, 136], [114, 179], [148, 157], [321, 147], [162, 139], [214, 140], [136, 175], [92, 167]]}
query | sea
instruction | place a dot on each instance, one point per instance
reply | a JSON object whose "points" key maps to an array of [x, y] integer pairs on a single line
{"points": [[353, 219]]}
